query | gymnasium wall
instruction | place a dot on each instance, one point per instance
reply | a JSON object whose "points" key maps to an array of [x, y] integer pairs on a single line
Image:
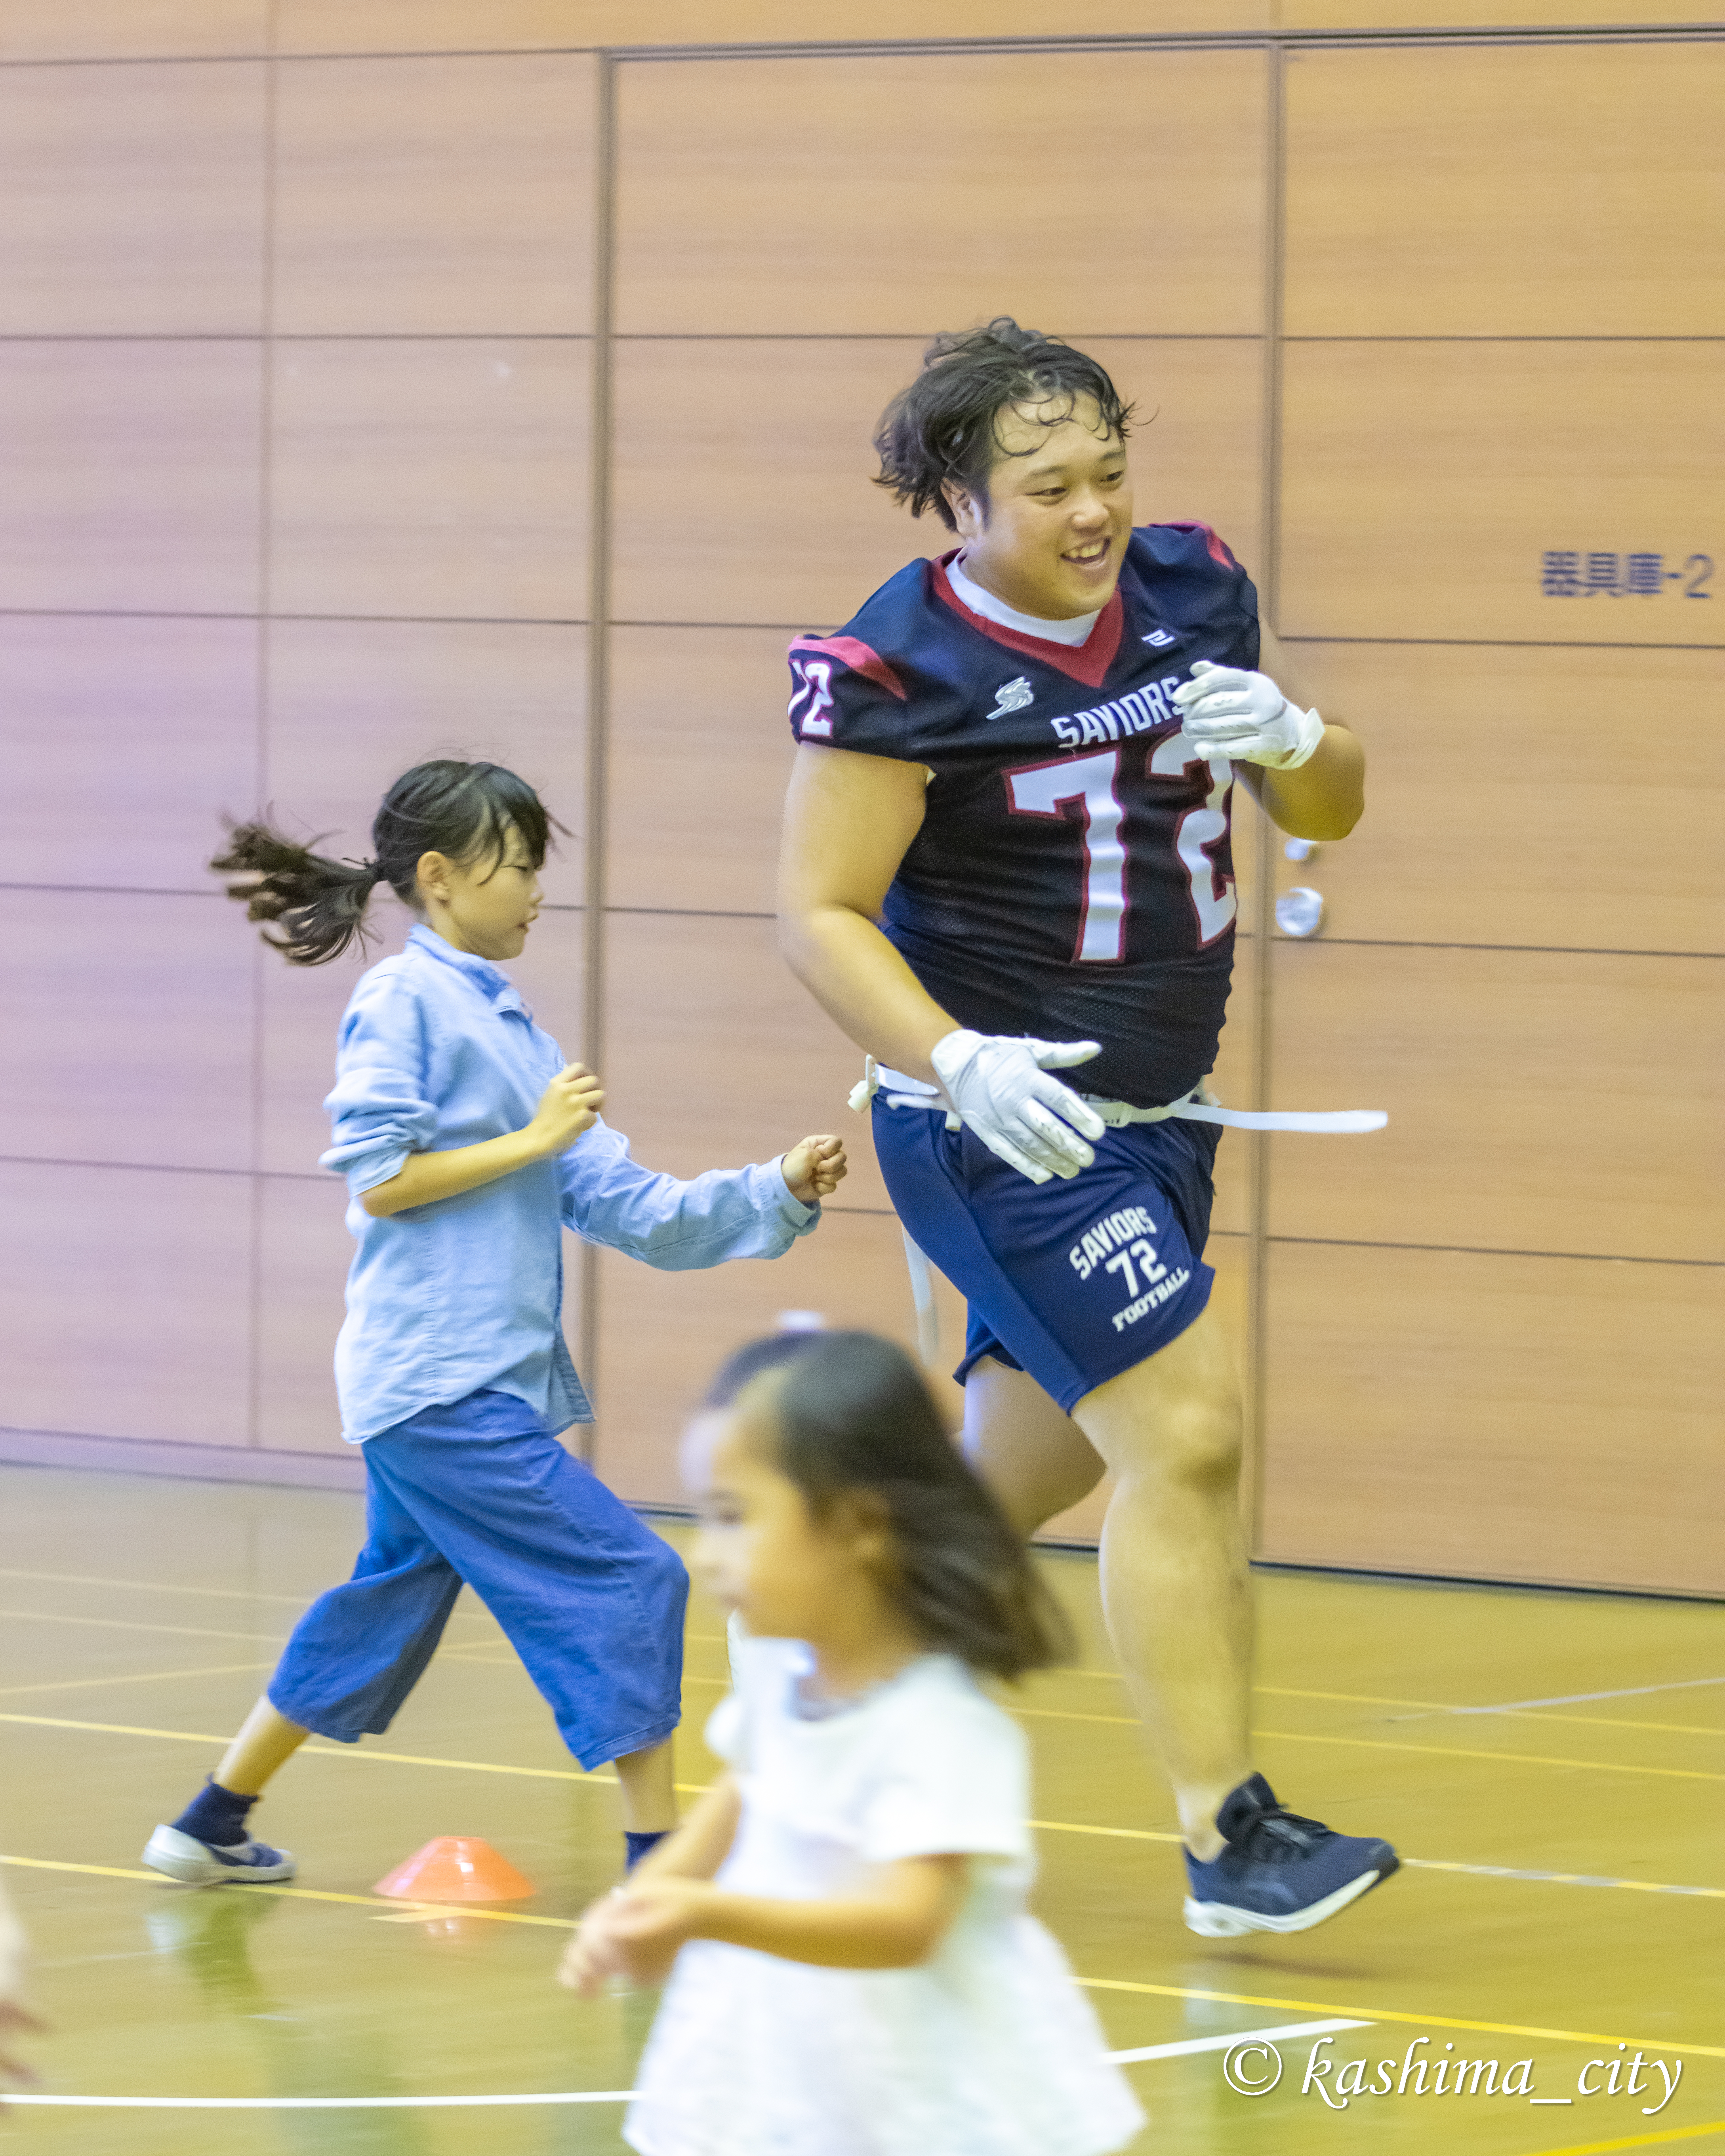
{"points": [[406, 375]]}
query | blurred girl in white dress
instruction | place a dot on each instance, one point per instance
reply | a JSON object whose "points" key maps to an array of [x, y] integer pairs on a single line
{"points": [[855, 1971]]}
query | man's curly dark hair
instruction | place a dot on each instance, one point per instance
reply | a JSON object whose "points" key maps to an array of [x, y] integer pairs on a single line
{"points": [[944, 428]]}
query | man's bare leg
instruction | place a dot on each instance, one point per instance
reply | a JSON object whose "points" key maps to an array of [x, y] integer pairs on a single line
{"points": [[1036, 1460], [1175, 1588]]}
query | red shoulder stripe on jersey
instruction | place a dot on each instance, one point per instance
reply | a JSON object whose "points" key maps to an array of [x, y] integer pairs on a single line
{"points": [[1087, 662], [1217, 545], [857, 655]]}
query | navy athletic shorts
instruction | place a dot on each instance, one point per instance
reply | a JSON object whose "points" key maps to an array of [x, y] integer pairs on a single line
{"points": [[1073, 1282]]}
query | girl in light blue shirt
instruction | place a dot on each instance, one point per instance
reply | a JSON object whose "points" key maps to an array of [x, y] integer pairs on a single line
{"points": [[467, 1145]]}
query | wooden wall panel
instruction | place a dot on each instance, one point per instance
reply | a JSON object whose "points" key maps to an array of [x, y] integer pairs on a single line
{"points": [[304, 1249], [1494, 1417], [1197, 439], [131, 200], [1511, 799], [1511, 191], [1416, 15], [764, 445], [131, 29], [895, 194], [1538, 1101], [439, 477], [430, 25], [129, 1028], [663, 1335], [129, 476], [354, 704], [699, 756], [123, 739], [1424, 484], [715, 1056], [301, 1009], [435, 196], [124, 1302]]}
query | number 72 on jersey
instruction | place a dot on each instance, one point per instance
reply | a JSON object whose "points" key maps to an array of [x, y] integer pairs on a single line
{"points": [[1043, 789]]}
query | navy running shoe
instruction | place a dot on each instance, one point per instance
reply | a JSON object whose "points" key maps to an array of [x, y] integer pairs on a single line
{"points": [[197, 1863], [1279, 1873]]}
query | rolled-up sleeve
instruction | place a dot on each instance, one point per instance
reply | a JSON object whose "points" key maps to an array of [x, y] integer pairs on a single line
{"points": [[378, 1113], [728, 1213]]}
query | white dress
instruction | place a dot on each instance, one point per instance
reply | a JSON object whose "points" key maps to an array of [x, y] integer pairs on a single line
{"points": [[986, 2049]]}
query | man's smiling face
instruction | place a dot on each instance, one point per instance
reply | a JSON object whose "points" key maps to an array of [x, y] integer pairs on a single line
{"points": [[1051, 534]]}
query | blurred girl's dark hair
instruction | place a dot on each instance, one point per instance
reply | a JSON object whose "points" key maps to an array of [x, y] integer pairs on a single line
{"points": [[944, 428], [769, 1353], [465, 810], [854, 1419]]}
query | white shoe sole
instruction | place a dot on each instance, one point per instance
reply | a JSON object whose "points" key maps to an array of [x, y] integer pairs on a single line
{"points": [[1222, 1920], [181, 1857]]}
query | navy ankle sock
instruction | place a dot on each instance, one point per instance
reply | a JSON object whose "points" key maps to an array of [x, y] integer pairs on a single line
{"points": [[638, 1845], [215, 1815]]}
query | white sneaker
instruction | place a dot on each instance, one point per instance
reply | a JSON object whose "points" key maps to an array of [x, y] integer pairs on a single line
{"points": [[197, 1863]]}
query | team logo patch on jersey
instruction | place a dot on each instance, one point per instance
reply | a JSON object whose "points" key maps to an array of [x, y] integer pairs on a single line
{"points": [[1012, 696], [1159, 637]]}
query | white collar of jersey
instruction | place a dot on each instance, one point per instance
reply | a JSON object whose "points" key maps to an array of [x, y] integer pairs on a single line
{"points": [[1075, 632]]}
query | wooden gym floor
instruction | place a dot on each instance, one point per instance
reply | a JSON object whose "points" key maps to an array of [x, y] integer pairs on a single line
{"points": [[1564, 1897]]}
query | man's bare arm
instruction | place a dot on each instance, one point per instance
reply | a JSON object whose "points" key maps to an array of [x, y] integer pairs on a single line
{"points": [[848, 821], [1326, 796]]}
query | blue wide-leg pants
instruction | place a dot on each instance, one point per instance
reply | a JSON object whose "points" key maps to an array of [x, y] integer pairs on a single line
{"points": [[591, 1600]]}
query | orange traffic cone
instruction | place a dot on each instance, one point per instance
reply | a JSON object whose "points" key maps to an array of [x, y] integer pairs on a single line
{"points": [[455, 1867]]}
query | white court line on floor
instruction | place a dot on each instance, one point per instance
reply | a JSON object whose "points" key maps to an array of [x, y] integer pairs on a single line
{"points": [[1559, 1878], [1226, 2043], [1577, 1698], [579, 2096]]}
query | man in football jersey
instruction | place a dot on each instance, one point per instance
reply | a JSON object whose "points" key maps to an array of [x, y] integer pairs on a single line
{"points": [[1006, 853]]}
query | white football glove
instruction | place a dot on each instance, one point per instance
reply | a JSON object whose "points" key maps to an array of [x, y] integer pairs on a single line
{"points": [[1245, 717], [1000, 1087]]}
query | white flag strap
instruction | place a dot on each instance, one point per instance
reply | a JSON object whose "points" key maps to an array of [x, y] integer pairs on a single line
{"points": [[1337, 1121], [928, 1322], [1198, 1106]]}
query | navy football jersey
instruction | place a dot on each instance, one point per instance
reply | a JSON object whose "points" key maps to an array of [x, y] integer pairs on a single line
{"points": [[1072, 878]]}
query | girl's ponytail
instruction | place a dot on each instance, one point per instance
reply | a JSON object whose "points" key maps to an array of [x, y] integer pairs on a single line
{"points": [[320, 903], [463, 811]]}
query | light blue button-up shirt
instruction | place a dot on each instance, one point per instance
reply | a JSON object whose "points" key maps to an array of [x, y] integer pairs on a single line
{"points": [[438, 1051]]}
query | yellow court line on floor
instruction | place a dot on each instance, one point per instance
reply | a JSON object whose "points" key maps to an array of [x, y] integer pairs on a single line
{"points": [[1510, 1758], [1637, 2140], [1088, 1982], [136, 1676], [1392, 1744], [1434, 1707], [1119, 1833], [311, 1751], [159, 1586], [137, 1625], [1131, 1721], [304, 1894], [1593, 1721], [1415, 2020], [1428, 1864], [598, 1778]]}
